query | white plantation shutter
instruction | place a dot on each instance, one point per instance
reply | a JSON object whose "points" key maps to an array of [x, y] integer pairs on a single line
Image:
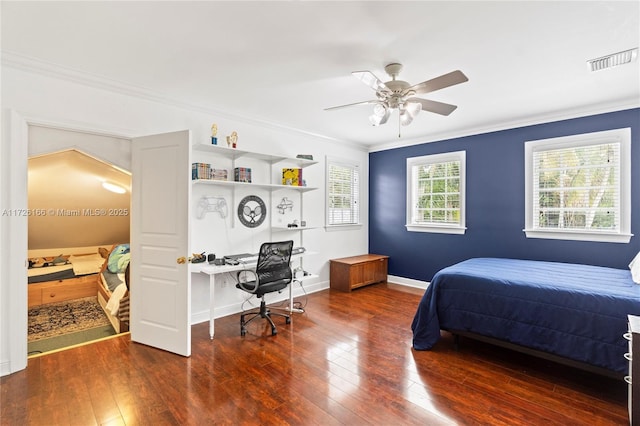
{"points": [[343, 193]]}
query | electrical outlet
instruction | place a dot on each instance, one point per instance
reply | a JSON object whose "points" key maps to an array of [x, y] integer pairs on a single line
{"points": [[224, 283]]}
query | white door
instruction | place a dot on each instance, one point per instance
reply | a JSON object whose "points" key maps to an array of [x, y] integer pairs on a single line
{"points": [[160, 278]]}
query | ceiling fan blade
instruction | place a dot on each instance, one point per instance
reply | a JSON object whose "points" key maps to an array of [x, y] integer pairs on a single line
{"points": [[371, 80], [434, 106], [348, 105], [445, 80]]}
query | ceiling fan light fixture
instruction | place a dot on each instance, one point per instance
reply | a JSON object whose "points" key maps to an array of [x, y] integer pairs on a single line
{"points": [[380, 114], [405, 118], [413, 108], [380, 110], [408, 112]]}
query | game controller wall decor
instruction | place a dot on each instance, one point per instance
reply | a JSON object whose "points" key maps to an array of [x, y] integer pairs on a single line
{"points": [[212, 204]]}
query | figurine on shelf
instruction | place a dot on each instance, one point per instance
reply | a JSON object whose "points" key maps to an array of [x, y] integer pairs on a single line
{"points": [[232, 140], [214, 134]]}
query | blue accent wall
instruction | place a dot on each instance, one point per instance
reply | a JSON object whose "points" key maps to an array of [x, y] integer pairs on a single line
{"points": [[494, 205]]}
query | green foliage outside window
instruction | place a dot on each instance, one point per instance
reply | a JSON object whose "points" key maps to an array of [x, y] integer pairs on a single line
{"points": [[577, 187]]}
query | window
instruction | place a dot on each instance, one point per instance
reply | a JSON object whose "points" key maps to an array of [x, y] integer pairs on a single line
{"points": [[436, 193], [343, 193], [579, 187]]}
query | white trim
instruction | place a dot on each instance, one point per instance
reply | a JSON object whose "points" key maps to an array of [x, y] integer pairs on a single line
{"points": [[40, 67], [578, 236], [349, 227], [15, 243], [545, 118], [623, 136], [408, 282], [437, 229]]}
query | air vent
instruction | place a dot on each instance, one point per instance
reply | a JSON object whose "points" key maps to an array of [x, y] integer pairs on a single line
{"points": [[613, 60]]}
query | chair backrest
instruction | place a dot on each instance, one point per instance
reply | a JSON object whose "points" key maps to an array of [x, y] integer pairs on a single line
{"points": [[273, 262]]}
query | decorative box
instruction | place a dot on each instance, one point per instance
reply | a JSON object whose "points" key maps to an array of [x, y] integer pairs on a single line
{"points": [[242, 174], [219, 174], [200, 171], [292, 177]]}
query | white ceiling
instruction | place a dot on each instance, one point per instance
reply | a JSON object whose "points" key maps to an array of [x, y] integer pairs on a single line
{"points": [[282, 63]]}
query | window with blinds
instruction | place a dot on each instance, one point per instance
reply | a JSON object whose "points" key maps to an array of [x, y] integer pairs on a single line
{"points": [[343, 193], [579, 184], [577, 188], [435, 193]]}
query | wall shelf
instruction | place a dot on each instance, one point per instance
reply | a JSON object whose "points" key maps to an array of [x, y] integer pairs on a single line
{"points": [[269, 186], [285, 229], [234, 153]]}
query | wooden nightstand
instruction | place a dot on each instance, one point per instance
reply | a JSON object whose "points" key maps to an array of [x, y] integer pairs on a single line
{"points": [[348, 273]]}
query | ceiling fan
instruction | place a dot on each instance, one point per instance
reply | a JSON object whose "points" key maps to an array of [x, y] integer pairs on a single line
{"points": [[398, 94]]}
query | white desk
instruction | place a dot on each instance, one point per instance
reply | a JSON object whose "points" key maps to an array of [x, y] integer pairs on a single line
{"points": [[213, 270]]}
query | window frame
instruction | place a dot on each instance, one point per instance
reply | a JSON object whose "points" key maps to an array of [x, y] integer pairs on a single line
{"points": [[354, 165], [623, 234], [434, 227]]}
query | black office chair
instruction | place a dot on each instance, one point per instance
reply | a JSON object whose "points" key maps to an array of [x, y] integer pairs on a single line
{"points": [[272, 273]]}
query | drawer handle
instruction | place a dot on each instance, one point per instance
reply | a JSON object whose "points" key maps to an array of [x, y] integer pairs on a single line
{"points": [[627, 379], [627, 336], [52, 295], [627, 356]]}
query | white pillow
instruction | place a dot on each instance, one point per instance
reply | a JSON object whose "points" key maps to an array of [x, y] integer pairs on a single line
{"points": [[634, 266]]}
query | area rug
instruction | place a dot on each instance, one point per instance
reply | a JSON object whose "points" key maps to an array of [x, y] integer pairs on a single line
{"points": [[65, 341], [60, 318]]}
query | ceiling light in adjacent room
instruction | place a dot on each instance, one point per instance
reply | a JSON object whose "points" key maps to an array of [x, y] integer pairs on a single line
{"points": [[113, 187], [613, 60]]}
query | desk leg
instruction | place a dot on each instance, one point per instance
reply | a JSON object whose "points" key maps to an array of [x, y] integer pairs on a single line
{"points": [[212, 287], [291, 308]]}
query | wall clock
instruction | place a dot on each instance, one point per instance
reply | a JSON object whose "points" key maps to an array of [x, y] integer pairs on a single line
{"points": [[252, 211]]}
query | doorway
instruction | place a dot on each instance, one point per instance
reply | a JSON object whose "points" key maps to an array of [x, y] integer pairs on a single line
{"points": [[82, 203], [173, 149]]}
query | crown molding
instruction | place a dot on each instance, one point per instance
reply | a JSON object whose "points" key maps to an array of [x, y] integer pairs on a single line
{"points": [[585, 111], [49, 69]]}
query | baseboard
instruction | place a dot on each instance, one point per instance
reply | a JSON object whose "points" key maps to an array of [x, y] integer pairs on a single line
{"points": [[234, 308], [408, 282], [5, 368]]}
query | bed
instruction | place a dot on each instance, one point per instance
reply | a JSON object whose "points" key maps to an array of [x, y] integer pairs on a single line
{"points": [[67, 277], [570, 313], [63, 277], [113, 287]]}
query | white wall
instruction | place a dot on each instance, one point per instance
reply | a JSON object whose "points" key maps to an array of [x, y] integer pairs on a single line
{"points": [[44, 99]]}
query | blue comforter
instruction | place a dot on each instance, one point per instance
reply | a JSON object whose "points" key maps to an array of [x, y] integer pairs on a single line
{"points": [[574, 311]]}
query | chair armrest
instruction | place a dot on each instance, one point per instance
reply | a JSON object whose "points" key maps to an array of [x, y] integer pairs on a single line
{"points": [[247, 276]]}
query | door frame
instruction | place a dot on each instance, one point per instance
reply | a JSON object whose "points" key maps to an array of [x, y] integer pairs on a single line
{"points": [[13, 245]]}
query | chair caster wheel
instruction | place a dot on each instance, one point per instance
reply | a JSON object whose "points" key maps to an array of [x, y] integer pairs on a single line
{"points": [[243, 332], [288, 320], [274, 331]]}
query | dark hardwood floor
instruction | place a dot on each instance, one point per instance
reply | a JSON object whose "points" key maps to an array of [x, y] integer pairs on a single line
{"points": [[347, 360]]}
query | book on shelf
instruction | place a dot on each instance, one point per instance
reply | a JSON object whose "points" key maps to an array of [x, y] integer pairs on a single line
{"points": [[204, 171], [200, 171], [242, 174]]}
